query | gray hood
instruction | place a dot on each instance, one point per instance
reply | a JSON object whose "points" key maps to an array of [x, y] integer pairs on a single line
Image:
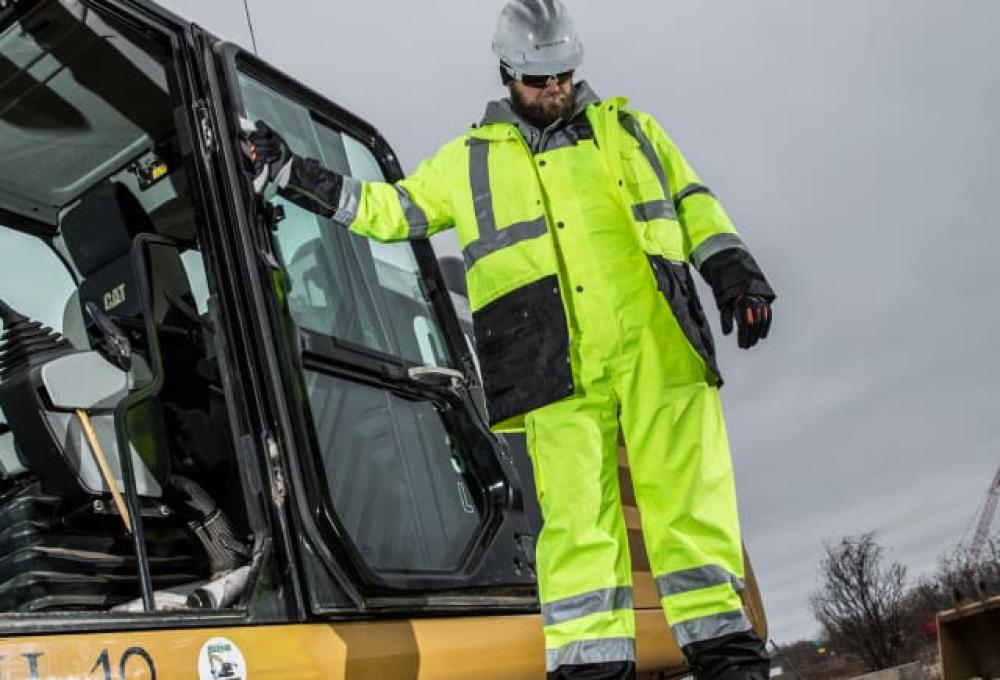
{"points": [[502, 111]]}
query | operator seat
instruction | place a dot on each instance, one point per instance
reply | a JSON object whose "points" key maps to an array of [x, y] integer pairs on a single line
{"points": [[99, 234]]}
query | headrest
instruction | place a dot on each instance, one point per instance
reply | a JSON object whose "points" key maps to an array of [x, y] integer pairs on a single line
{"points": [[101, 228]]}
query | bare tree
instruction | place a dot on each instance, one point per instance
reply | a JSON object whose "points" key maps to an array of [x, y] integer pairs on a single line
{"points": [[859, 602], [967, 575]]}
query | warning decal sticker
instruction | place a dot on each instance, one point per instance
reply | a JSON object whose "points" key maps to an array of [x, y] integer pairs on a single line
{"points": [[221, 659]]}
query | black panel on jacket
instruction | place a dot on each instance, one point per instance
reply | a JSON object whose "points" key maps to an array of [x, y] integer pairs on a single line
{"points": [[523, 344], [611, 670], [677, 285], [732, 273], [581, 127]]}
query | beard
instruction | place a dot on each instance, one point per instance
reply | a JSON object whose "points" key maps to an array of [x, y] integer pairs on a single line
{"points": [[546, 109]]}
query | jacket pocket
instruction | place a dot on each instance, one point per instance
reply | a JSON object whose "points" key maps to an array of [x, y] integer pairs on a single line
{"points": [[523, 344], [677, 285]]}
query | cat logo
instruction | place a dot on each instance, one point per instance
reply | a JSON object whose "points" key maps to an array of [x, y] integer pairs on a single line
{"points": [[114, 297]]}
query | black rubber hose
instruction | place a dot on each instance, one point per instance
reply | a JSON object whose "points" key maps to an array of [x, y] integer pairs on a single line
{"points": [[211, 525]]}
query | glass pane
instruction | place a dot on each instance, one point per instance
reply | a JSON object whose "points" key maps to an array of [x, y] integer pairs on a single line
{"points": [[395, 477], [292, 120], [35, 282], [71, 64], [33, 279], [342, 284], [363, 163], [194, 266]]}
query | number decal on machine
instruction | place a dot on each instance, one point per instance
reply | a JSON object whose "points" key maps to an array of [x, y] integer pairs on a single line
{"points": [[104, 662], [34, 664]]}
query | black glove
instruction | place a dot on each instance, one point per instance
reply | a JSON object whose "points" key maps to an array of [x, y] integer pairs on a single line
{"points": [[266, 154], [301, 180], [753, 319], [741, 291]]}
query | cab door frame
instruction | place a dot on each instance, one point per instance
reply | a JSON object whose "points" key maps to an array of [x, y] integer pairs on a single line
{"points": [[290, 449]]}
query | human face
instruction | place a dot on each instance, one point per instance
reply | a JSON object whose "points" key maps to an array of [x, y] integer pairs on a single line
{"points": [[542, 106]]}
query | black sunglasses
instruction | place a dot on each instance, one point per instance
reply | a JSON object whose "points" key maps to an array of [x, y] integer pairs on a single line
{"points": [[540, 82]]}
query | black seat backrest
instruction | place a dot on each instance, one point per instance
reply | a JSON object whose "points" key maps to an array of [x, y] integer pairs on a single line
{"points": [[99, 234]]}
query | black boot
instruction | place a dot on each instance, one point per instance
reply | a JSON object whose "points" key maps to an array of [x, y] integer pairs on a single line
{"points": [[612, 670], [741, 656]]}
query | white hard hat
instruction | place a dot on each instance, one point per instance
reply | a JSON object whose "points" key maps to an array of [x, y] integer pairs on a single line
{"points": [[537, 38]]}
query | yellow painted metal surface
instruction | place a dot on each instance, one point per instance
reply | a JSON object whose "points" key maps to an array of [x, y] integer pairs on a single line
{"points": [[492, 648], [969, 640]]}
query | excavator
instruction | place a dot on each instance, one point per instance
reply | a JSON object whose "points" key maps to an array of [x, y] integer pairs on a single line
{"points": [[237, 441]]}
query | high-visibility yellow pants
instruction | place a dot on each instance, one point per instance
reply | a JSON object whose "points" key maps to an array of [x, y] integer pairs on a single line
{"points": [[635, 371]]}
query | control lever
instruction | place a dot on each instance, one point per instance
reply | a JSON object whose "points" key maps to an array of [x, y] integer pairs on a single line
{"points": [[438, 376], [113, 345]]}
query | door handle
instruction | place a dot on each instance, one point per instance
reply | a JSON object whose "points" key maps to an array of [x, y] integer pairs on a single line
{"points": [[438, 376]]}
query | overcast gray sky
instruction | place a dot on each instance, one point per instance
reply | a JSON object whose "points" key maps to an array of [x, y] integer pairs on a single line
{"points": [[855, 144]]}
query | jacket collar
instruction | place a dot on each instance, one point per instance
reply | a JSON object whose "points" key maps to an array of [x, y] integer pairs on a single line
{"points": [[501, 111]]}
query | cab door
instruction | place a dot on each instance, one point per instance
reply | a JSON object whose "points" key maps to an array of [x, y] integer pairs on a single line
{"points": [[400, 498]]}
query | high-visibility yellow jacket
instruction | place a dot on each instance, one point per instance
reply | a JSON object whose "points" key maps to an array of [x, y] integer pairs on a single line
{"points": [[487, 184]]}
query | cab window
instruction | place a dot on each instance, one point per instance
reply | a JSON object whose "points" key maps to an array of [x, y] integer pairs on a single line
{"points": [[25, 260]]}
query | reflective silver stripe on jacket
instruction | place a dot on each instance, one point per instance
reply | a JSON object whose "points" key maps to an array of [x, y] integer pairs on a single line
{"points": [[696, 578], [350, 199], [604, 600], [590, 651], [665, 208], [690, 190], [415, 217], [710, 627], [285, 174], [715, 244], [651, 210], [491, 239]]}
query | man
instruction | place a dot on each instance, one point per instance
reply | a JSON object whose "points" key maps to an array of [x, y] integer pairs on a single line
{"points": [[577, 217]]}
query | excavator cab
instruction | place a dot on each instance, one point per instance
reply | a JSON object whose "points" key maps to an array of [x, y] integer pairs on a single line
{"points": [[111, 396], [234, 437]]}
